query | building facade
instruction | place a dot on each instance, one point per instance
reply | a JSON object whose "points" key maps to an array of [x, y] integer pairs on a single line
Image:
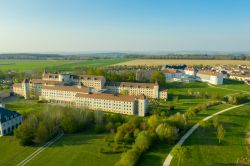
{"points": [[123, 104], [9, 120], [150, 90], [173, 74], [210, 77], [96, 82]]}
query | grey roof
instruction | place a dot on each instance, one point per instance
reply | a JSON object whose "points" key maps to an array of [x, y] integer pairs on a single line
{"points": [[4, 113]]}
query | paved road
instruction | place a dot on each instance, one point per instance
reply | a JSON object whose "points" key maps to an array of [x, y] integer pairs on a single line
{"points": [[190, 131], [38, 151]]}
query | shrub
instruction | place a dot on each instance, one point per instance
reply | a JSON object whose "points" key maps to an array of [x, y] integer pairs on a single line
{"points": [[166, 132], [238, 99]]}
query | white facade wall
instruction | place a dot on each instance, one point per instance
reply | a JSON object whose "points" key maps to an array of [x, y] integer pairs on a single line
{"points": [[189, 72], [216, 80], [58, 95], [122, 107], [8, 126]]}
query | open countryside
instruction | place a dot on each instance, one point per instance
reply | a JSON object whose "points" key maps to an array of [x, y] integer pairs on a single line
{"points": [[125, 83], [28, 65], [160, 62]]}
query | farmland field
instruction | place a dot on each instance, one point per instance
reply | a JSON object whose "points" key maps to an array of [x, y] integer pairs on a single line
{"points": [[30, 64], [153, 62], [89, 63], [27, 65]]}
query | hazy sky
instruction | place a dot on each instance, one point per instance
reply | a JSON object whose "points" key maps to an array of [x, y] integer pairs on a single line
{"points": [[124, 25]]}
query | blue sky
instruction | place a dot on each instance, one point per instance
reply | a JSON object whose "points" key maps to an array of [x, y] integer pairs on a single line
{"points": [[124, 25]]}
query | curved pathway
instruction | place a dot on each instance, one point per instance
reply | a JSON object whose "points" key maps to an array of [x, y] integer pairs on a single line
{"points": [[190, 131], [39, 150]]}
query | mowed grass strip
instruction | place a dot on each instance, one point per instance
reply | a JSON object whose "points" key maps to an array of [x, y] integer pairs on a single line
{"points": [[76, 149], [203, 145], [158, 62]]}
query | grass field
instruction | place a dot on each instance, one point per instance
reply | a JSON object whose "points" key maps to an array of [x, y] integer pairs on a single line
{"points": [[12, 152], [152, 62], [181, 89], [28, 65], [89, 63], [76, 149], [157, 153], [27, 106], [203, 145]]}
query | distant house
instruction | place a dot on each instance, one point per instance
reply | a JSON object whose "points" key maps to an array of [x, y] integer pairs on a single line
{"points": [[240, 77], [9, 120], [190, 71], [210, 77], [173, 74]]}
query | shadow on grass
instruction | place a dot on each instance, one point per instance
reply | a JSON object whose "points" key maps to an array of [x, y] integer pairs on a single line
{"points": [[156, 155]]}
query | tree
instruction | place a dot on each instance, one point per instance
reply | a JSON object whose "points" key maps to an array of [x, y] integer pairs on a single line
{"points": [[180, 153], [166, 132], [215, 121], [220, 133], [26, 131], [143, 140], [159, 77], [68, 124], [42, 133], [153, 121]]}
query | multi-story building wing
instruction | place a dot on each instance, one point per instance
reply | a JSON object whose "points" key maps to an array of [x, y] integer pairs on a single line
{"points": [[65, 78], [32, 88], [22, 89], [210, 77], [62, 94], [150, 90], [96, 82], [37, 84], [9, 120], [123, 104]]}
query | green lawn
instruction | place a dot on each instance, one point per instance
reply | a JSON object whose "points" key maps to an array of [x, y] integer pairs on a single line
{"points": [[76, 149], [203, 145], [157, 153], [26, 106], [12, 152]]}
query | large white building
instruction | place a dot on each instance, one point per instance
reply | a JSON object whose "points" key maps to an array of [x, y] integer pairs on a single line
{"points": [[210, 77], [9, 120], [88, 93], [81, 97], [123, 104], [173, 74]]}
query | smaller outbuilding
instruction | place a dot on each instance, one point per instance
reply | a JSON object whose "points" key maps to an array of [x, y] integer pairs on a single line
{"points": [[9, 120]]}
